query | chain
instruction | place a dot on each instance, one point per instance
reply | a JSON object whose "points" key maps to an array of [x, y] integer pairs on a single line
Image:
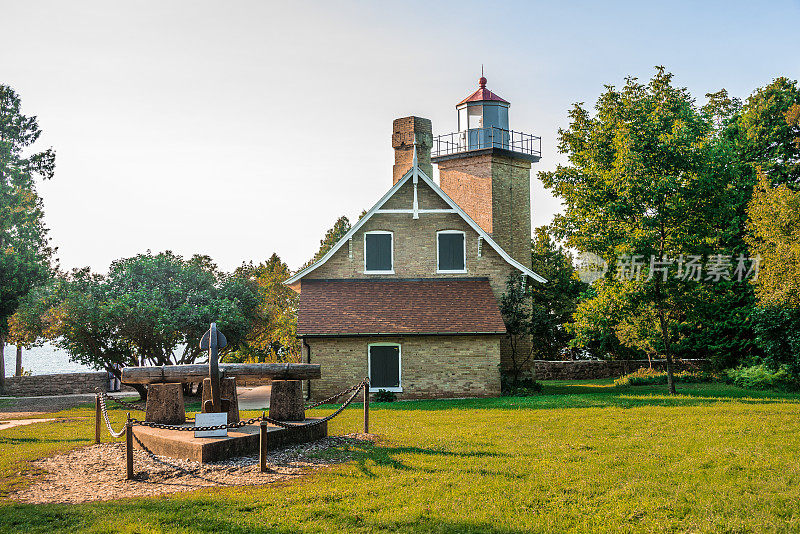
{"points": [[197, 428], [333, 397], [101, 397], [120, 401], [284, 424]]}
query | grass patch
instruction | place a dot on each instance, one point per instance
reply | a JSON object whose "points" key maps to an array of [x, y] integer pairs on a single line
{"points": [[580, 456]]}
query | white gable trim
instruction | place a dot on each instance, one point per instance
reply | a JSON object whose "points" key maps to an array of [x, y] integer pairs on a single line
{"points": [[415, 171]]}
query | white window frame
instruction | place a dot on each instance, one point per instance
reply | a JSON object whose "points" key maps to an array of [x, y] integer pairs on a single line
{"points": [[391, 249], [399, 388], [449, 271]]}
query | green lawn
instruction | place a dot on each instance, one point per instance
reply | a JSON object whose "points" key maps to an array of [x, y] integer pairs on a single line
{"points": [[582, 456]]}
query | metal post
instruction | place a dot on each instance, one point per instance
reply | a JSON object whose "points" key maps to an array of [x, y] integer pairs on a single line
{"points": [[97, 415], [366, 406], [262, 447], [129, 447]]}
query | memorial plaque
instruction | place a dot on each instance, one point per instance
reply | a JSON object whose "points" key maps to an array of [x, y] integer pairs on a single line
{"points": [[211, 419]]}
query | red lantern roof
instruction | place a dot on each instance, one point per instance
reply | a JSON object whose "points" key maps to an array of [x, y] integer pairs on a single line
{"points": [[482, 94]]}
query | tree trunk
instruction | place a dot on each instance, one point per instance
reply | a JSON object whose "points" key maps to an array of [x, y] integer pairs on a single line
{"points": [[2, 362], [19, 361], [670, 377]]}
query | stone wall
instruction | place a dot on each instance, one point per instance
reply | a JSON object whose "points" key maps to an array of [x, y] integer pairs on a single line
{"points": [[593, 369], [431, 366], [61, 384]]}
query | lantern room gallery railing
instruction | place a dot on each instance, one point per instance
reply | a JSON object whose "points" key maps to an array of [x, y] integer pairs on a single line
{"points": [[484, 138]]}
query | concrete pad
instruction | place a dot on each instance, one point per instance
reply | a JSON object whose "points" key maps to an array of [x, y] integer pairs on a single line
{"points": [[256, 398], [242, 441]]}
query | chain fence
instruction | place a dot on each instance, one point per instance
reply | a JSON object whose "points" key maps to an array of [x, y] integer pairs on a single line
{"points": [[102, 396]]}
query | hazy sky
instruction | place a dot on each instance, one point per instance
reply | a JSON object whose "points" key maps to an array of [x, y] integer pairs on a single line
{"points": [[237, 129]]}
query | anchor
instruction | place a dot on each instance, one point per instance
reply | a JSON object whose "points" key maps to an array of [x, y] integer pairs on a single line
{"points": [[213, 340]]}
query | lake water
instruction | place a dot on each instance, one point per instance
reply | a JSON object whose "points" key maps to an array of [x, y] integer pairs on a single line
{"points": [[44, 360]]}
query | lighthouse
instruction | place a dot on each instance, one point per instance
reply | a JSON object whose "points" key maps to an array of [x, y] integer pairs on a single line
{"points": [[485, 167]]}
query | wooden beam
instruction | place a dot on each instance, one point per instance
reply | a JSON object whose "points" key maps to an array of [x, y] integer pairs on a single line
{"points": [[197, 372]]}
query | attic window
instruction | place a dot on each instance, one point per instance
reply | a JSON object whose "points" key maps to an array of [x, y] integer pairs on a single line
{"points": [[451, 252], [378, 252]]}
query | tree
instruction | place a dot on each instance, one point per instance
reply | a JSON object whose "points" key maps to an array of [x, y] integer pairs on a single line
{"points": [[332, 236], [775, 237], [148, 310], [273, 336], [768, 133], [642, 183], [515, 307], [24, 251], [555, 302]]}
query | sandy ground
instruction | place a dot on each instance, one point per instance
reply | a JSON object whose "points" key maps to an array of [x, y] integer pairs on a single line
{"points": [[97, 472]]}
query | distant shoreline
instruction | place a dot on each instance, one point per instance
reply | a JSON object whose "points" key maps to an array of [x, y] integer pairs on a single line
{"points": [[45, 360]]}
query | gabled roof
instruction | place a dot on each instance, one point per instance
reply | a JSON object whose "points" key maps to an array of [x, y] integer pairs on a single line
{"points": [[415, 172], [428, 306]]}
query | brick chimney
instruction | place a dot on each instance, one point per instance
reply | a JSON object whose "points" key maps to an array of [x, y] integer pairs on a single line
{"points": [[404, 133]]}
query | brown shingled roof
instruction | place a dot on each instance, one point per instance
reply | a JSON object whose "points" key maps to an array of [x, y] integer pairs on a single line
{"points": [[398, 306]]}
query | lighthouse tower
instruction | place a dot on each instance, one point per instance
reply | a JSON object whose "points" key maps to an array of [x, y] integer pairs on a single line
{"points": [[485, 167]]}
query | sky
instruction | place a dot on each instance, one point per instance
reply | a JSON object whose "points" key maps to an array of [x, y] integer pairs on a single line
{"points": [[238, 129]]}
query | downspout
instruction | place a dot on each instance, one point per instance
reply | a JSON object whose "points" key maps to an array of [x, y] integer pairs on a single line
{"points": [[308, 360]]}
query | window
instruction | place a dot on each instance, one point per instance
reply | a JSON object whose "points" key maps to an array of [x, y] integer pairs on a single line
{"points": [[384, 367], [378, 253], [451, 252]]}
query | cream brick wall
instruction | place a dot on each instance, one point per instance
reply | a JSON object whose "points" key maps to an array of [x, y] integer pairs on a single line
{"points": [[415, 246], [431, 366], [496, 192]]}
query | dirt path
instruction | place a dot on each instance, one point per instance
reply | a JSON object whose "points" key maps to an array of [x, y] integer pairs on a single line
{"points": [[97, 472]]}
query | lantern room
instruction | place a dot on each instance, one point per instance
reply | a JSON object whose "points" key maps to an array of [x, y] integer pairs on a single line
{"points": [[482, 109]]}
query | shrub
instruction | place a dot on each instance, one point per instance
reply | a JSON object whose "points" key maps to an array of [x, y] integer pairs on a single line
{"points": [[523, 388], [646, 376], [762, 377], [385, 396]]}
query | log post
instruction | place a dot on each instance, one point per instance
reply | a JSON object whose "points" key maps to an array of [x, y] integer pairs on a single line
{"points": [[366, 406], [197, 372], [262, 447], [97, 415], [129, 448]]}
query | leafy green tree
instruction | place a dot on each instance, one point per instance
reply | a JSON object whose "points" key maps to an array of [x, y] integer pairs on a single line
{"points": [[273, 335], [604, 324], [641, 183], [775, 237], [515, 307], [555, 302], [148, 310], [24, 251], [768, 133], [332, 236]]}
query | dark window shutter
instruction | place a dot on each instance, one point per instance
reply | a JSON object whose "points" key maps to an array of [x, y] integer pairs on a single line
{"points": [[379, 252], [451, 252], [384, 366]]}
